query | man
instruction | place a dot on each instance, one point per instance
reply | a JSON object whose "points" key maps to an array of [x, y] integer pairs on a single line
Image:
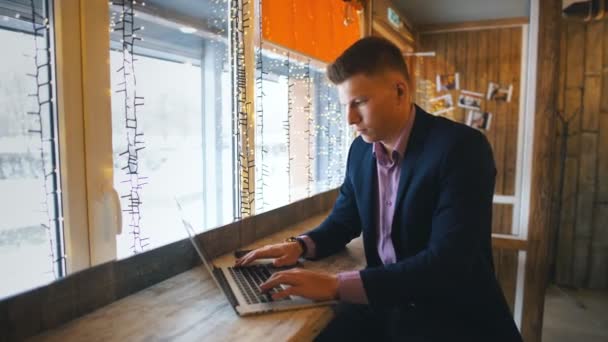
{"points": [[420, 189]]}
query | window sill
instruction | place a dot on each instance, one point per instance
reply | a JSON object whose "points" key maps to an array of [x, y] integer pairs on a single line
{"points": [[189, 306]]}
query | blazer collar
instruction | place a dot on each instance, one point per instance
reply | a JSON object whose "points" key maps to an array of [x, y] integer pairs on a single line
{"points": [[415, 146]]}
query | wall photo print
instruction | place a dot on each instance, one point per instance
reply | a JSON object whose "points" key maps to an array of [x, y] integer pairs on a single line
{"points": [[470, 100], [497, 92], [479, 120], [441, 104], [448, 82]]}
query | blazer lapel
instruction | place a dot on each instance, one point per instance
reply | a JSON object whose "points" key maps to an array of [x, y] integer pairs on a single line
{"points": [[414, 148], [368, 190]]}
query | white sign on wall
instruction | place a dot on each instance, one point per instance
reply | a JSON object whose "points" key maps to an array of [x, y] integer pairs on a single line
{"points": [[393, 18]]}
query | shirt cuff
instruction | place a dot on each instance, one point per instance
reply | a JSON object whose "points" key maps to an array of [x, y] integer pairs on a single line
{"points": [[350, 288], [310, 246]]}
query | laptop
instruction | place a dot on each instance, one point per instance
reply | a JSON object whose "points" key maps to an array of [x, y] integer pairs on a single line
{"points": [[241, 285]]}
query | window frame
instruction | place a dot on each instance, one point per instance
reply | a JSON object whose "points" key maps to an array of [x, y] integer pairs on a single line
{"points": [[27, 21], [91, 205]]}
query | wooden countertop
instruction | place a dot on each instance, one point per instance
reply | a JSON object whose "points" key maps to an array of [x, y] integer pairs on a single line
{"points": [[189, 307]]}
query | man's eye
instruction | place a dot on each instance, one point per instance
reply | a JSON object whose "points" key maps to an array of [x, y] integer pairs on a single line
{"points": [[359, 102]]}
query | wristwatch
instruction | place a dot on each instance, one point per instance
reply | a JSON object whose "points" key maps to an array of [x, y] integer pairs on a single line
{"points": [[300, 241]]}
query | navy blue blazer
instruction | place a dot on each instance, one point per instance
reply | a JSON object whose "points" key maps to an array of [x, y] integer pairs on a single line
{"points": [[443, 284]]}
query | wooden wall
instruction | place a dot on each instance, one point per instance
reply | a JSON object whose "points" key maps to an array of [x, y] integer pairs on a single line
{"points": [[482, 56], [580, 215]]}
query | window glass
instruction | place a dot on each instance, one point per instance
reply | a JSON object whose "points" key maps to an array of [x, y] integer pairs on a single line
{"points": [[182, 81], [30, 229], [302, 136]]}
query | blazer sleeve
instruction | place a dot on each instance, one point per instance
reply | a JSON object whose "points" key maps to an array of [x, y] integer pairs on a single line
{"points": [[461, 221], [343, 223]]}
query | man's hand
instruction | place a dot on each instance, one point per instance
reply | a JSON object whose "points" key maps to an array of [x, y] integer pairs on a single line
{"points": [[286, 254], [313, 285]]}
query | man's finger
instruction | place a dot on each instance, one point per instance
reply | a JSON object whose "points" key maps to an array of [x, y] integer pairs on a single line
{"points": [[252, 256], [277, 279], [284, 293], [246, 259]]}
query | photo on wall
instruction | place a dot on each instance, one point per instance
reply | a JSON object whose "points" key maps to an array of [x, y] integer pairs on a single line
{"points": [[479, 120], [470, 100], [441, 104], [448, 82], [497, 92]]}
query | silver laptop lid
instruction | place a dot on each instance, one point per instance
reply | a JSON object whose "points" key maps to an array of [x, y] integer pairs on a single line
{"points": [[199, 249]]}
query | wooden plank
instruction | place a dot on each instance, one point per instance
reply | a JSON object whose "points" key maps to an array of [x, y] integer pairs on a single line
{"points": [[482, 64], [575, 55], [598, 275], [566, 217], [588, 159], [580, 262], [498, 224], [430, 70], [508, 242], [602, 176], [584, 210], [450, 68], [500, 118], [440, 55], [562, 69], [604, 97], [497, 219], [573, 108], [591, 103], [568, 209], [492, 76], [513, 119], [605, 43], [593, 48], [542, 190], [468, 75], [473, 25], [423, 62], [460, 66]]}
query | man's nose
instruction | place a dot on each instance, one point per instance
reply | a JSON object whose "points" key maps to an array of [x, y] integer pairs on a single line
{"points": [[352, 116]]}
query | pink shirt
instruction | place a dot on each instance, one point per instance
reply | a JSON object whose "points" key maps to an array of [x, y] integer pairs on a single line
{"points": [[350, 288]]}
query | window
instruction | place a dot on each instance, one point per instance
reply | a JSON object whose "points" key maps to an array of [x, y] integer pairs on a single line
{"points": [[178, 142], [302, 137], [30, 229]]}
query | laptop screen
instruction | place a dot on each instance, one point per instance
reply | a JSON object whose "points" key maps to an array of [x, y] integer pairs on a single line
{"points": [[199, 249]]}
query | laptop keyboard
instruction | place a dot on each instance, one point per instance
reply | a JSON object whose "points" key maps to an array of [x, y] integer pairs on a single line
{"points": [[249, 279]]}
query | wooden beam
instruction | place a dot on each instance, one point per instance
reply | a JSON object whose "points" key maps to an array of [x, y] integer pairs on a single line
{"points": [[472, 25], [503, 241], [541, 192]]}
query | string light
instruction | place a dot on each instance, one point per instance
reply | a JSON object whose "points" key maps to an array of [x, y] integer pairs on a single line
{"points": [[264, 171], [43, 96], [134, 136]]}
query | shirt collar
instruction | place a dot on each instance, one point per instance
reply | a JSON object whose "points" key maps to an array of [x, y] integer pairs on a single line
{"points": [[379, 151]]}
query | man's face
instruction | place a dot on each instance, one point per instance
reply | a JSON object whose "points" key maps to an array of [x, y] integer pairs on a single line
{"points": [[376, 105]]}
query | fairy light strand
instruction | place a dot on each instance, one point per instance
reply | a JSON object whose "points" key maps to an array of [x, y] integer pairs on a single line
{"points": [[44, 89], [126, 25], [264, 171], [310, 130], [288, 122]]}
